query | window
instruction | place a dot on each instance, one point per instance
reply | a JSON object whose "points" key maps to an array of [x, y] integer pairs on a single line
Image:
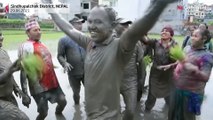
{"points": [[85, 5]]}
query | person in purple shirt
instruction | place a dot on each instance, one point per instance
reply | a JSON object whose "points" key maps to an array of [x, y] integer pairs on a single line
{"points": [[71, 56], [191, 75]]}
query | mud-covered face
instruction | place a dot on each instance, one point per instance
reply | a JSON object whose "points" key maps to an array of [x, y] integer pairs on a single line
{"points": [[34, 33], [197, 39], [99, 24]]}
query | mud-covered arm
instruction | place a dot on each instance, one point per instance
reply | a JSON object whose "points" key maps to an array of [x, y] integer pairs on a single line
{"points": [[5, 76], [69, 30], [61, 52], [23, 80], [143, 25]]}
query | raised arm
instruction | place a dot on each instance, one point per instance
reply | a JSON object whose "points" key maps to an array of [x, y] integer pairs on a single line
{"points": [[144, 24], [69, 30]]}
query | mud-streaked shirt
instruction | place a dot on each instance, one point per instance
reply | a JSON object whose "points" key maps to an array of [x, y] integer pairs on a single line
{"points": [[187, 80], [130, 78], [6, 88], [104, 66], [49, 79], [71, 52]]}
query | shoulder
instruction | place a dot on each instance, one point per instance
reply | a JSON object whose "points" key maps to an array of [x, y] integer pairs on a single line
{"points": [[208, 56], [66, 40], [26, 44], [26, 47]]}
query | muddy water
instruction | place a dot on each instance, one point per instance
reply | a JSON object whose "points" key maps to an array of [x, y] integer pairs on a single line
{"points": [[72, 112]]}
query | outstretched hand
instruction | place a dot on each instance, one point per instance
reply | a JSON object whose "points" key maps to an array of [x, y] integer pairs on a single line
{"points": [[67, 67], [18, 92], [164, 67], [26, 100]]}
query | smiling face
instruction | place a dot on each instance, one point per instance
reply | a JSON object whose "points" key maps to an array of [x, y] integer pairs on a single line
{"points": [[197, 39], [99, 24], [165, 35]]}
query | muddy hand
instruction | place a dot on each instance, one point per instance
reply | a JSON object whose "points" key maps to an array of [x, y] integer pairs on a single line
{"points": [[26, 100], [67, 67], [15, 66], [18, 92]]}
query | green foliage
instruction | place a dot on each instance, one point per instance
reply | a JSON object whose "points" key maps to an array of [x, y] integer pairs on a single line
{"points": [[177, 53], [13, 38], [147, 60], [46, 24], [33, 66], [12, 21], [210, 22], [17, 23]]}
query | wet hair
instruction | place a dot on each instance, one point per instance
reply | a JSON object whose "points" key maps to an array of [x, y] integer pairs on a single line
{"points": [[110, 12]]}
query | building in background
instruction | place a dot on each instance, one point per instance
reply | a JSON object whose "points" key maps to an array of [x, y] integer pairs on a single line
{"points": [[173, 15], [111, 3], [198, 10]]}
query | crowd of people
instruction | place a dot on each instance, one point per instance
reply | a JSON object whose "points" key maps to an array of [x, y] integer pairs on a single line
{"points": [[109, 63]]}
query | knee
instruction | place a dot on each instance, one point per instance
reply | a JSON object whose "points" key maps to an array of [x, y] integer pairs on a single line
{"points": [[62, 101], [42, 115]]}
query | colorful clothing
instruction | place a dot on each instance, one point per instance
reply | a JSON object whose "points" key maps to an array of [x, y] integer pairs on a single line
{"points": [[49, 79], [188, 95], [189, 81]]}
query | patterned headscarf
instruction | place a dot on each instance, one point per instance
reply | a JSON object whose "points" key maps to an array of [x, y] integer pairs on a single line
{"points": [[30, 24]]}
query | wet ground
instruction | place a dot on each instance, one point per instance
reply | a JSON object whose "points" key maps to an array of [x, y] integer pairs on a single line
{"points": [[73, 112]]}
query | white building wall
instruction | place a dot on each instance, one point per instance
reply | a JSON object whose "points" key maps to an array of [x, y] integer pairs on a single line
{"points": [[131, 10], [171, 16]]}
